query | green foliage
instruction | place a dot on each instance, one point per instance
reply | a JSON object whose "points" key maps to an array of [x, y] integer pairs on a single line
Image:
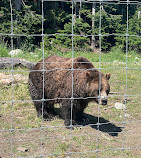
{"points": [[28, 45], [3, 51], [109, 25], [64, 39], [58, 19], [5, 19], [47, 43], [25, 22], [134, 30]]}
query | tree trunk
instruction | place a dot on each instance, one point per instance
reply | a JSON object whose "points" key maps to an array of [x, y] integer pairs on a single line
{"points": [[18, 9], [139, 14], [18, 5], [80, 9], [93, 38]]}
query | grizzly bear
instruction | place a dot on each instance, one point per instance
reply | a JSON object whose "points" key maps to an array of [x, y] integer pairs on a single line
{"points": [[71, 82]]}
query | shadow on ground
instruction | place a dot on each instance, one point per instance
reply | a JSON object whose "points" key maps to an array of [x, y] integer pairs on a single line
{"points": [[104, 126], [92, 121]]}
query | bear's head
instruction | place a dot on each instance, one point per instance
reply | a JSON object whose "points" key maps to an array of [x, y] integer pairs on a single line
{"points": [[98, 86]]}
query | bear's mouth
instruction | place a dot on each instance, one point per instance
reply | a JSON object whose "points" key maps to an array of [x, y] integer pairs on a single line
{"points": [[100, 101]]}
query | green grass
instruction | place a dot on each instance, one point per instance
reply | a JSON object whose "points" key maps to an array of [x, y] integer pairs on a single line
{"points": [[115, 55], [3, 50]]}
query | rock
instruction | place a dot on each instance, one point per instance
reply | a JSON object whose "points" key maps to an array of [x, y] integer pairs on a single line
{"points": [[127, 115], [15, 52], [136, 58], [22, 149], [6, 81], [7, 62], [119, 106], [19, 77], [2, 76]]}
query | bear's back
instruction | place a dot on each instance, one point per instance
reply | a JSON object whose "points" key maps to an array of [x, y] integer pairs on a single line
{"points": [[58, 62]]}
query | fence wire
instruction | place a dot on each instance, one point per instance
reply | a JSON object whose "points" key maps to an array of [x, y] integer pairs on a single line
{"points": [[12, 78], [97, 134]]}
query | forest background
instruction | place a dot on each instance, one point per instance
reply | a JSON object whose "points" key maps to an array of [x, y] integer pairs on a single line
{"points": [[27, 25]]}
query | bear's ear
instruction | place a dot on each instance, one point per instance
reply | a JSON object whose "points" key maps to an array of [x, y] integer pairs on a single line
{"points": [[108, 76]]}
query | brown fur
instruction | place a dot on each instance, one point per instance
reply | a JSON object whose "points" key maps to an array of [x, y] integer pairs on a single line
{"points": [[58, 86]]}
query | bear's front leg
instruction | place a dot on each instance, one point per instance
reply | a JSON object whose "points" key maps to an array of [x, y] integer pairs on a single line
{"points": [[46, 109], [82, 104], [66, 113]]}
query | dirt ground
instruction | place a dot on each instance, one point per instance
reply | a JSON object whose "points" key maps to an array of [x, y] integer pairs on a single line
{"points": [[113, 140]]}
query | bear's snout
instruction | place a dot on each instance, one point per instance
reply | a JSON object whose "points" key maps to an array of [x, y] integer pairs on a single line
{"points": [[103, 98], [104, 101]]}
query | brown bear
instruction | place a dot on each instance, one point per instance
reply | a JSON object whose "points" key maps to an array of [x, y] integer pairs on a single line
{"points": [[51, 83]]}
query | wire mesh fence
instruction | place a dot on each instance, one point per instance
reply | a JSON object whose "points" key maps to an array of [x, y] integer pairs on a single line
{"points": [[105, 131]]}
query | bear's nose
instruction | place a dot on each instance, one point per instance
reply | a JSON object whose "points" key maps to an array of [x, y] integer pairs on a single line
{"points": [[104, 101]]}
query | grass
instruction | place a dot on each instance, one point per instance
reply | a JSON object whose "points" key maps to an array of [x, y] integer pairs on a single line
{"points": [[113, 56], [56, 140], [3, 50]]}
